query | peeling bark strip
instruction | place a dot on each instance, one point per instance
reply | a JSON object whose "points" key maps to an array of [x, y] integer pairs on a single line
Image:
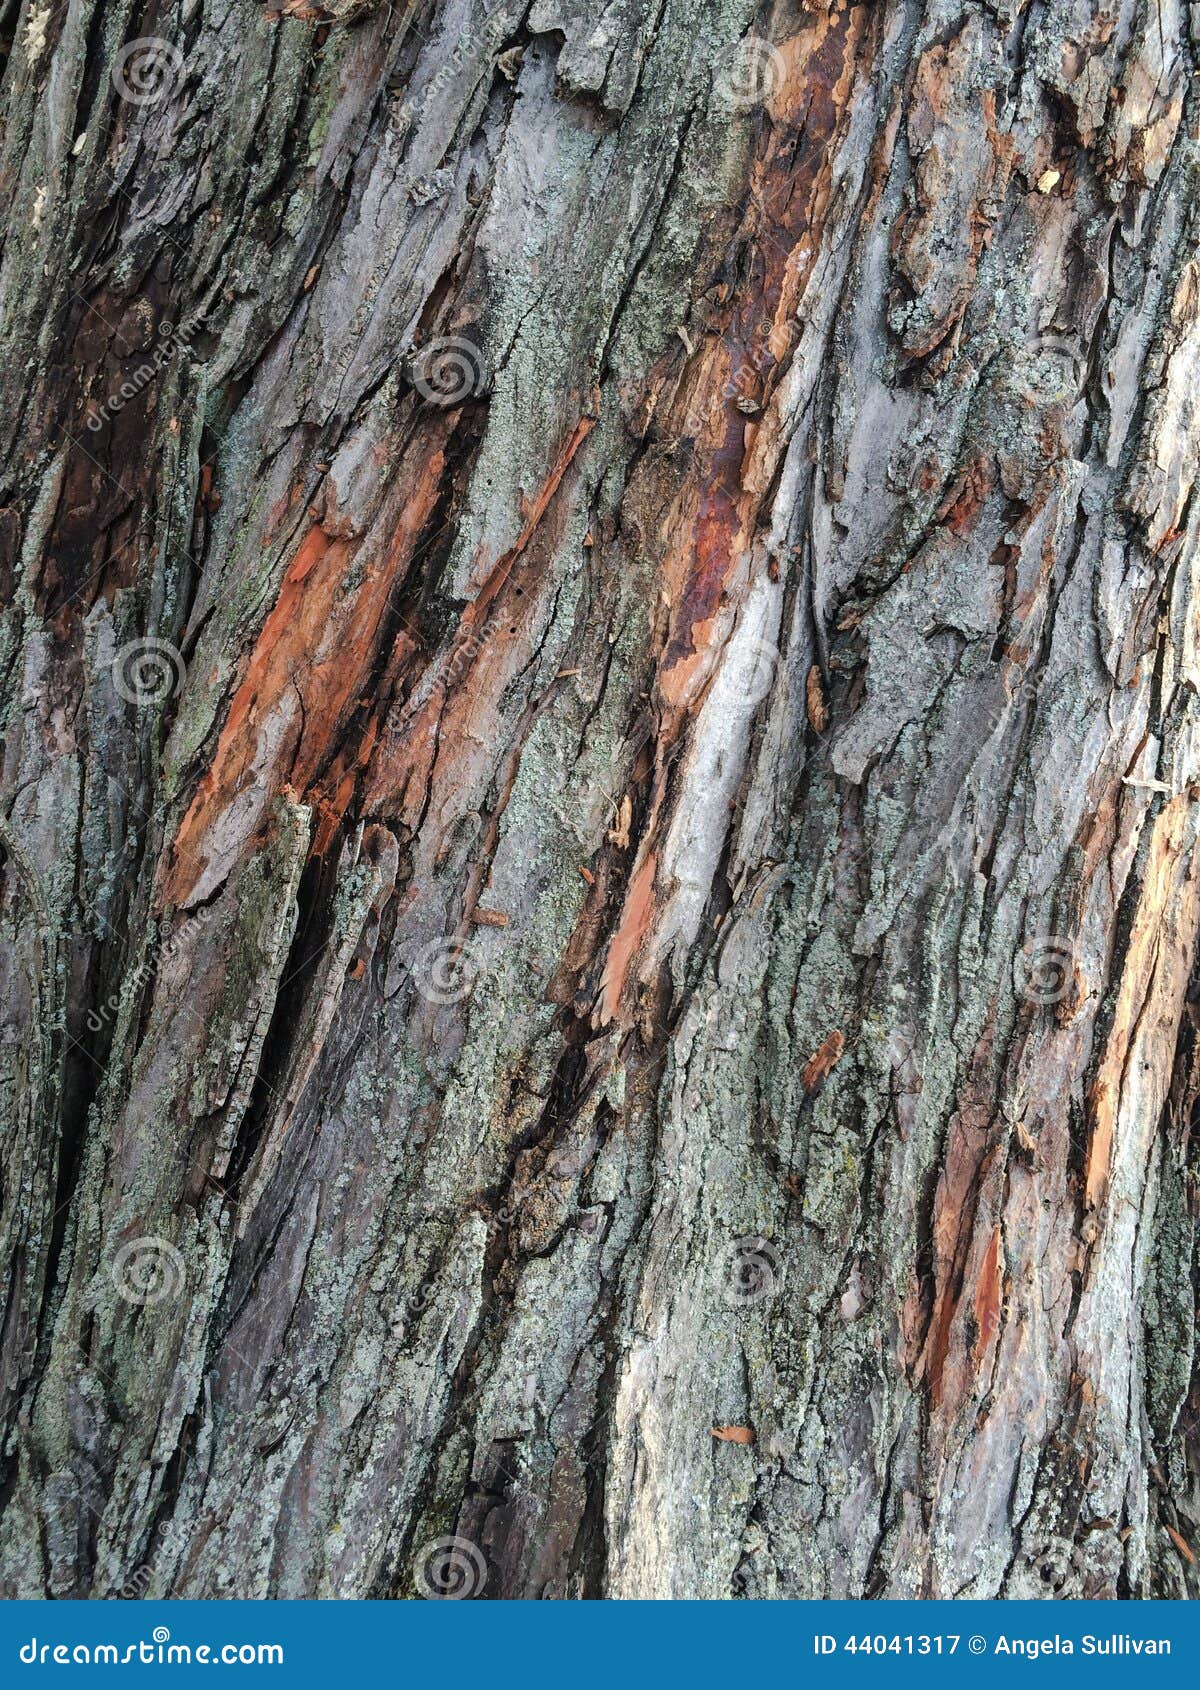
{"points": [[599, 908]]}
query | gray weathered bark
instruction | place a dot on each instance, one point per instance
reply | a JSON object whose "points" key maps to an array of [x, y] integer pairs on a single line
{"points": [[599, 804]]}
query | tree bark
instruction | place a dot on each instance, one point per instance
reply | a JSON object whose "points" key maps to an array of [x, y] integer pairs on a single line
{"points": [[599, 683]]}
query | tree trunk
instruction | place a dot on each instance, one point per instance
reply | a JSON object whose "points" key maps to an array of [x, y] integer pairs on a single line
{"points": [[599, 802]]}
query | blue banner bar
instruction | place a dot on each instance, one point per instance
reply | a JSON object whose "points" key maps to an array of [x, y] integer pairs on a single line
{"points": [[603, 1646]]}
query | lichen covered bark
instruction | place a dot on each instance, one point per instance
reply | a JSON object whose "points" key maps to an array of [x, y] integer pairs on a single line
{"points": [[599, 799]]}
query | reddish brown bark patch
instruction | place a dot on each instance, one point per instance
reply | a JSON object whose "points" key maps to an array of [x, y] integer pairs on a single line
{"points": [[822, 1062], [303, 679]]}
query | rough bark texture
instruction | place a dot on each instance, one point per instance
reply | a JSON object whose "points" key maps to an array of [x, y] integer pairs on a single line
{"points": [[616, 984]]}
